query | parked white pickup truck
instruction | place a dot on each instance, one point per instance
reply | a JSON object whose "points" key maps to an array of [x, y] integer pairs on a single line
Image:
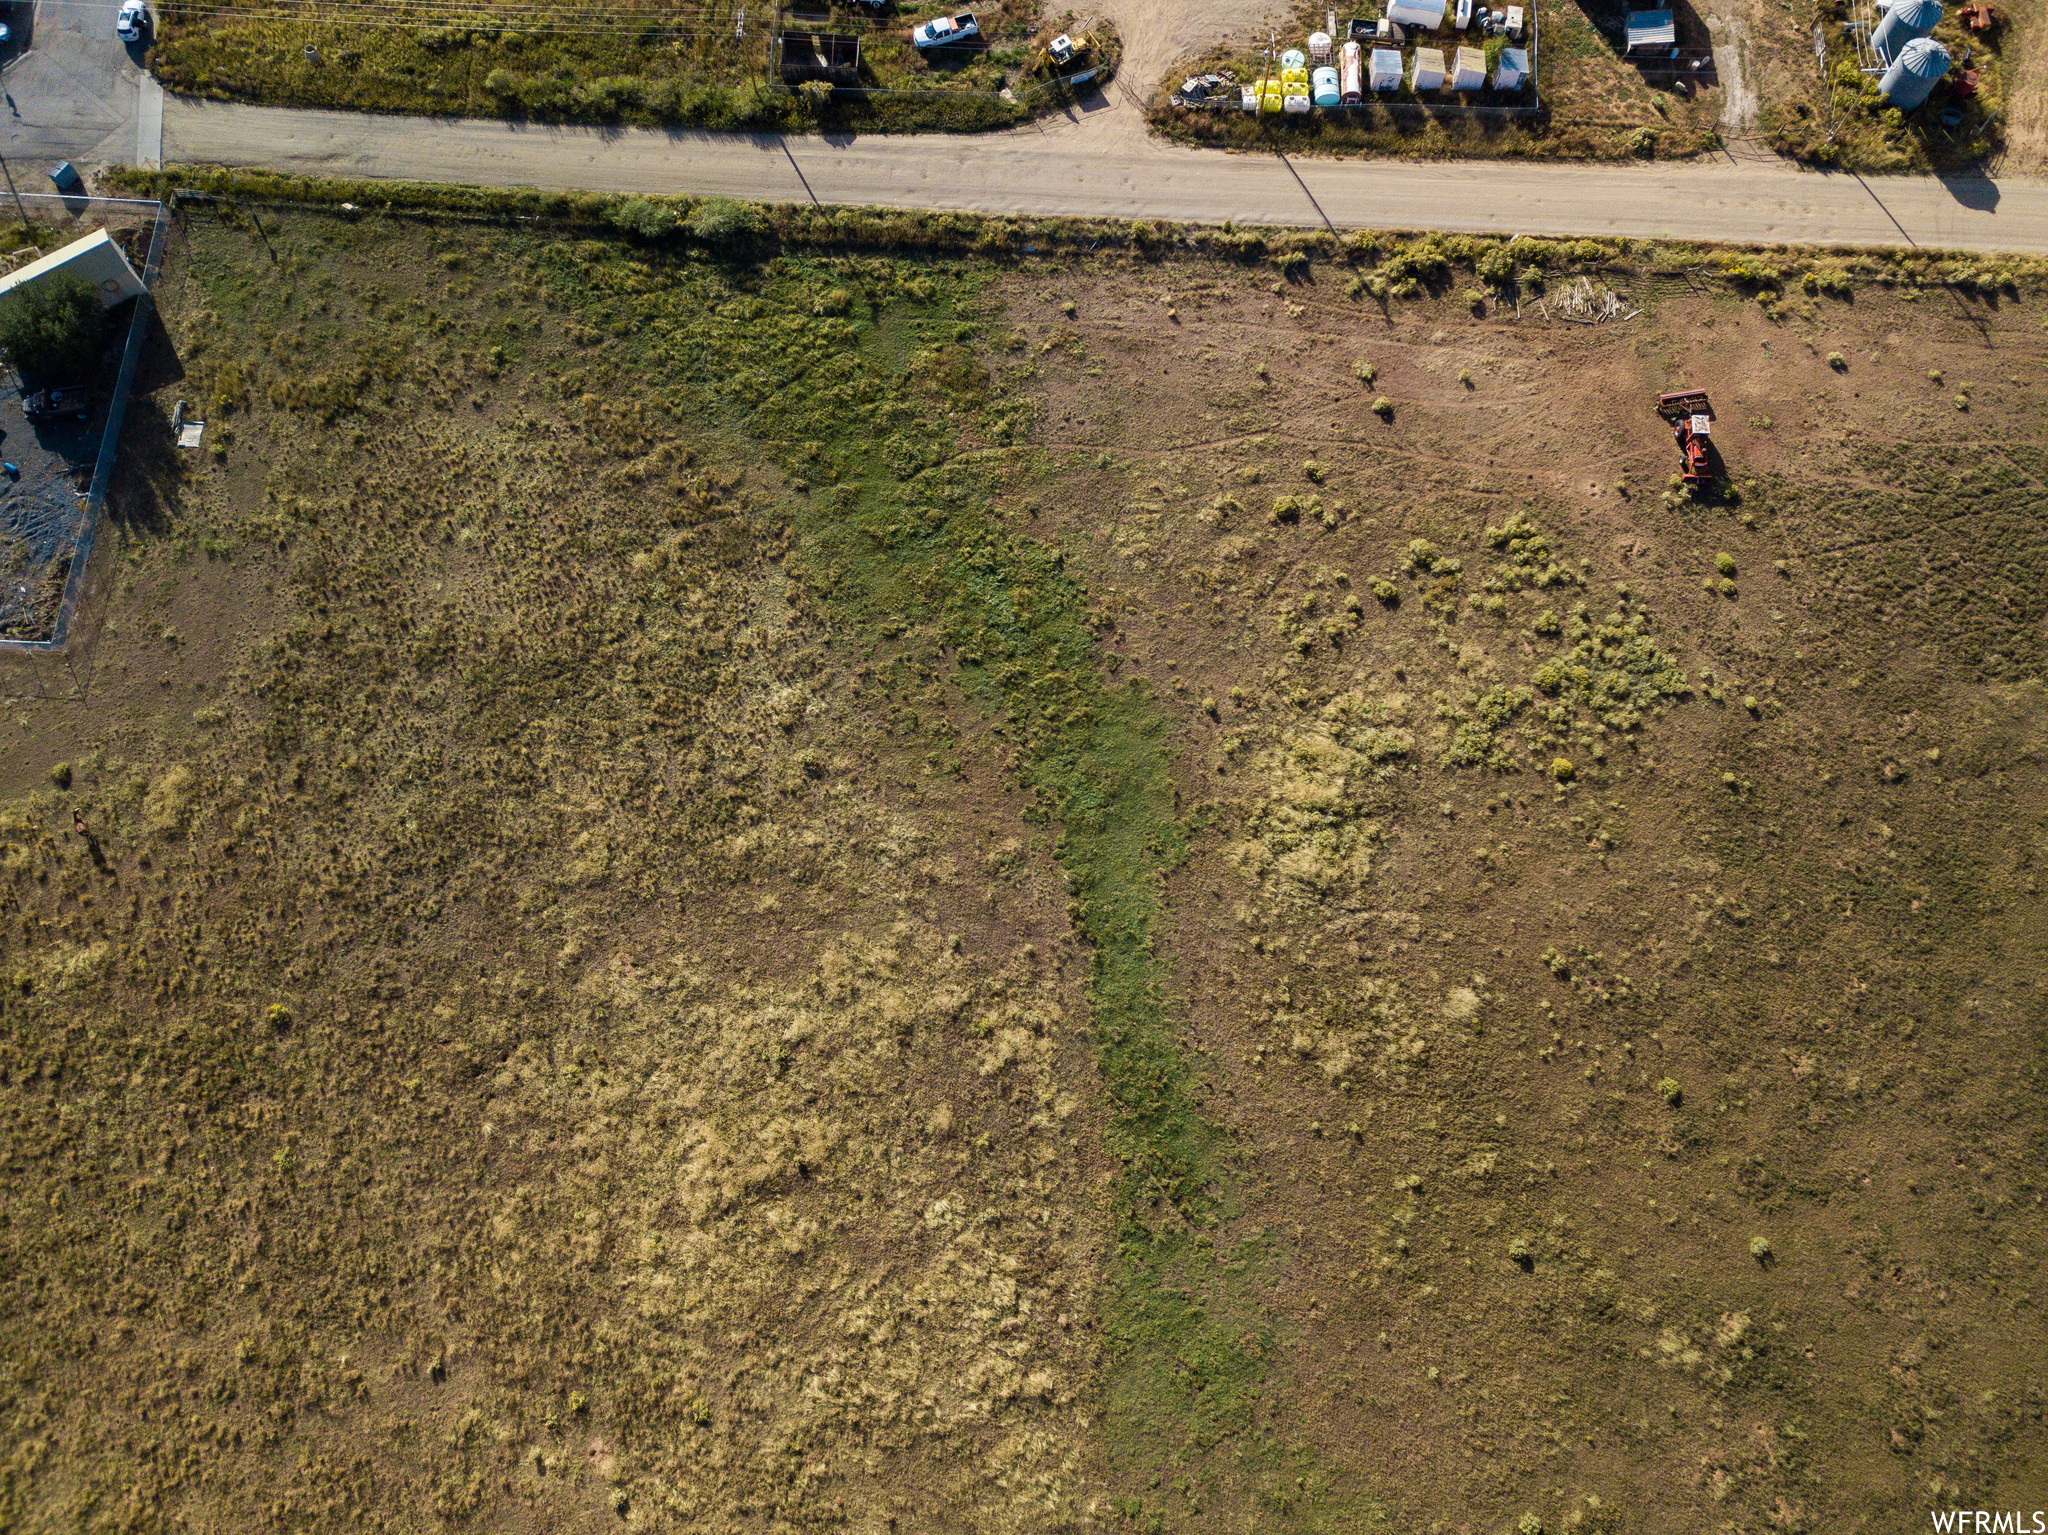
{"points": [[945, 31]]}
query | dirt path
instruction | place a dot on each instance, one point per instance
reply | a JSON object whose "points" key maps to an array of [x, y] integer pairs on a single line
{"points": [[1098, 173], [1155, 33], [1728, 24]]}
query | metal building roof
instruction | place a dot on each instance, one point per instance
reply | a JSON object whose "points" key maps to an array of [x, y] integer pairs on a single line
{"points": [[1651, 29]]}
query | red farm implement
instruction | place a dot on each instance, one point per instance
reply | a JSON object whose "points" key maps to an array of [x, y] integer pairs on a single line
{"points": [[1691, 416]]}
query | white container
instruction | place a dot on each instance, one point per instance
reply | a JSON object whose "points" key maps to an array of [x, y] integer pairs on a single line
{"points": [[1426, 14], [1429, 70], [1293, 58], [1294, 106], [1352, 71], [1319, 47], [1386, 70], [1468, 69]]}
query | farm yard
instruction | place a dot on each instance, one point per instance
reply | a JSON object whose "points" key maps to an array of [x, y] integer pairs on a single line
{"points": [[1725, 71], [1572, 92], [1840, 118], [869, 870]]}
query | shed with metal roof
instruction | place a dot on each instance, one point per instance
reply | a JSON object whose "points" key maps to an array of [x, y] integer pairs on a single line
{"points": [[1649, 30]]}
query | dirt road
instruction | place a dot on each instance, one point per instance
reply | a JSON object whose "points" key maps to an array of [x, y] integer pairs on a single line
{"points": [[1076, 166]]}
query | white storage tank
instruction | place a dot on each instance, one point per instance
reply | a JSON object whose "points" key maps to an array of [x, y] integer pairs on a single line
{"points": [[1293, 58], [1386, 70], [1905, 21], [1914, 73], [1323, 86], [1352, 68], [1319, 47]]}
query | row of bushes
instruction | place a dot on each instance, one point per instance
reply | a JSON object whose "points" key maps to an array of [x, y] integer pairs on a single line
{"points": [[748, 107], [1398, 255]]}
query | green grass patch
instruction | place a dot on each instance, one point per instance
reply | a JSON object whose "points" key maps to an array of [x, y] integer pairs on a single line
{"points": [[897, 538]]}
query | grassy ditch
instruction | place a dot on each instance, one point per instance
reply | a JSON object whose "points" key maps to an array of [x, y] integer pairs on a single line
{"points": [[703, 68], [385, 783], [905, 542]]}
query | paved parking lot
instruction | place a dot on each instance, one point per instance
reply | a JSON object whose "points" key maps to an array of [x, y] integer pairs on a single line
{"points": [[74, 91]]}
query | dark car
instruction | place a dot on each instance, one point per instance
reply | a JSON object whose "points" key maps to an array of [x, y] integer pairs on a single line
{"points": [[54, 404]]}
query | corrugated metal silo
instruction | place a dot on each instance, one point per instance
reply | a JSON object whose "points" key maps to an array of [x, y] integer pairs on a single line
{"points": [[1901, 24], [1914, 73]]}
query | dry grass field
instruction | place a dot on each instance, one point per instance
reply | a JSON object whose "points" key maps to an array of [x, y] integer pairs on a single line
{"points": [[744, 884], [709, 65]]}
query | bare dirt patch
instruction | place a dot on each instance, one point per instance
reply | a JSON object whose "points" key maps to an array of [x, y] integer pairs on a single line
{"points": [[1638, 1140]]}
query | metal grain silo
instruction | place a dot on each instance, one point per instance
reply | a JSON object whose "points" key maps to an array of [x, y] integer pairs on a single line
{"points": [[1901, 24], [1914, 73]]}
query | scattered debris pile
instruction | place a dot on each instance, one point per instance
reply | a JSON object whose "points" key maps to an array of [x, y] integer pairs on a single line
{"points": [[1584, 304]]}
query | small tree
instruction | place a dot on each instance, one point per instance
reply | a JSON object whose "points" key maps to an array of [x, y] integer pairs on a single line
{"points": [[642, 216], [52, 327], [721, 221]]}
